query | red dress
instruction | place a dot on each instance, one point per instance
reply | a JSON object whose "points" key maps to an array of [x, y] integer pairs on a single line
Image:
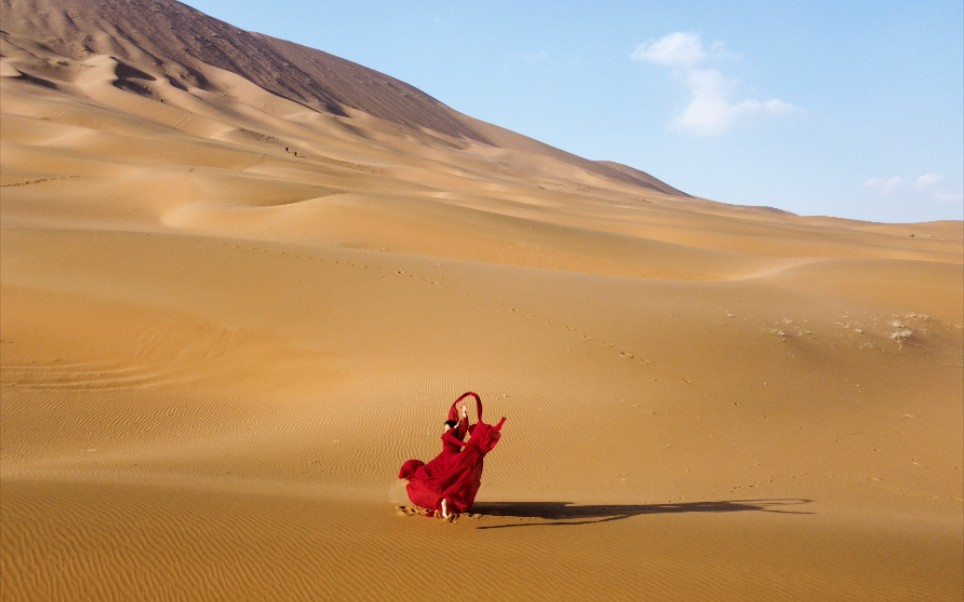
{"points": [[455, 474]]}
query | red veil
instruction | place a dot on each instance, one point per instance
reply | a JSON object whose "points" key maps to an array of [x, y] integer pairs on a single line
{"points": [[455, 474]]}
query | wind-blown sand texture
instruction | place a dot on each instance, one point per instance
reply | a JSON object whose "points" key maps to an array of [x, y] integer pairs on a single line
{"points": [[243, 280]]}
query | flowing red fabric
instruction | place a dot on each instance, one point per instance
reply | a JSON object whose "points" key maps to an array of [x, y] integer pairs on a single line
{"points": [[454, 475]]}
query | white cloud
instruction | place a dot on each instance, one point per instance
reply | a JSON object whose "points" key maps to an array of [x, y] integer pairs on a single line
{"points": [[885, 185], [708, 111], [680, 49], [900, 187], [945, 195], [774, 106], [711, 109]]}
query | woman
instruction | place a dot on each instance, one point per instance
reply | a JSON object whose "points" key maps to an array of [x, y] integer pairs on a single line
{"points": [[452, 442], [452, 479]]}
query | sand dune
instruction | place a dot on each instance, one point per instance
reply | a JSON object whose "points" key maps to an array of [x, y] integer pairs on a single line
{"points": [[234, 304]]}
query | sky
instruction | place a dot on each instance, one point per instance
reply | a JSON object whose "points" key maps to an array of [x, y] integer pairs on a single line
{"points": [[847, 108]]}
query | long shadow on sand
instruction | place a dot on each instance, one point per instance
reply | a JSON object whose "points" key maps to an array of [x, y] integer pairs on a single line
{"points": [[564, 513]]}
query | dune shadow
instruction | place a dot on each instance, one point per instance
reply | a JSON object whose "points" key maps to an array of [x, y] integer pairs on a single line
{"points": [[565, 513]]}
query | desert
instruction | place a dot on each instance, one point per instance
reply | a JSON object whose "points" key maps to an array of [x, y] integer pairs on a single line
{"points": [[234, 304]]}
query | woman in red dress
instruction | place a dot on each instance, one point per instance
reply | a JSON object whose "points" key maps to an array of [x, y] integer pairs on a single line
{"points": [[452, 478]]}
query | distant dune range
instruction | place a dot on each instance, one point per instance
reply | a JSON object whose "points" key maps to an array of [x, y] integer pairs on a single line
{"points": [[243, 279]]}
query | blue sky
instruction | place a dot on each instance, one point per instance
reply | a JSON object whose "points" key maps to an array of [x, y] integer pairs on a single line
{"points": [[848, 108]]}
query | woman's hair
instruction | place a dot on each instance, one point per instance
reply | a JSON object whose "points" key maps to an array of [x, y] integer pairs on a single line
{"points": [[451, 423]]}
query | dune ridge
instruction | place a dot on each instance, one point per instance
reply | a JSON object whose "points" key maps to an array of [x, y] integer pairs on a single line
{"points": [[242, 281]]}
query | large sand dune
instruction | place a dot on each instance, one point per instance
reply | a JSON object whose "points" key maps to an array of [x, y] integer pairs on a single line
{"points": [[231, 310]]}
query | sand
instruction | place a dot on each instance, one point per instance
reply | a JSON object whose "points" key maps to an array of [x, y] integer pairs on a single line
{"points": [[227, 319]]}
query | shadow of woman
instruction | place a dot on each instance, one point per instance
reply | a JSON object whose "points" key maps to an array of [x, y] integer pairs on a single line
{"points": [[565, 513]]}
